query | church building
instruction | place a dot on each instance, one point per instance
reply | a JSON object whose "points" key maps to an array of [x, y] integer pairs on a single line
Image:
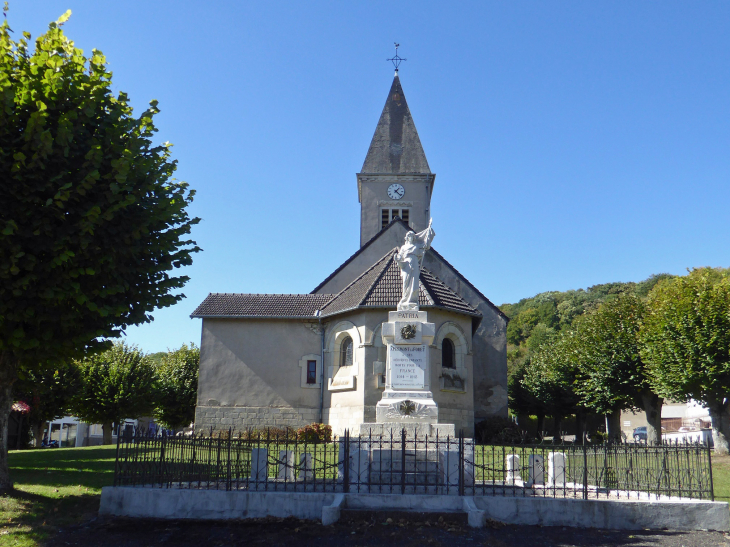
{"points": [[288, 360]]}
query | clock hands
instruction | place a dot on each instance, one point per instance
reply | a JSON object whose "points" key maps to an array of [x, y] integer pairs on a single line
{"points": [[396, 191]]}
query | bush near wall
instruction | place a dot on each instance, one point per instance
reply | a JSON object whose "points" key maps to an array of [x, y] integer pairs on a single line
{"points": [[315, 433], [498, 430], [311, 433]]}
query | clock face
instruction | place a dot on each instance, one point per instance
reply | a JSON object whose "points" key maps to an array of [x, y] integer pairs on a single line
{"points": [[396, 191]]}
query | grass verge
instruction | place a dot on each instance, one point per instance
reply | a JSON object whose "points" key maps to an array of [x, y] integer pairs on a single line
{"points": [[721, 477], [53, 488]]}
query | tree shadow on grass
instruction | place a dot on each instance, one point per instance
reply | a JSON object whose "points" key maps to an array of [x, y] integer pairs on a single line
{"points": [[89, 468], [54, 488], [31, 517]]}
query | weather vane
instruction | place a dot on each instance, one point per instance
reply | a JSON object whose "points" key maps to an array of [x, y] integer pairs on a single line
{"points": [[396, 60]]}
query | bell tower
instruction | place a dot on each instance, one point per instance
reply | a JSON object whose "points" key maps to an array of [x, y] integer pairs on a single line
{"points": [[395, 180]]}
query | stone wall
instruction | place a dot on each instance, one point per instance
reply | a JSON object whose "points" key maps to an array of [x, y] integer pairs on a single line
{"points": [[463, 419], [237, 417], [342, 418]]}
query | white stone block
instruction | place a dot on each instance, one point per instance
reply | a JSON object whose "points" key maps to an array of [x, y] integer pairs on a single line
{"points": [[449, 466], [512, 462], [359, 463], [286, 465], [259, 464], [556, 469], [359, 468], [536, 470], [306, 467]]}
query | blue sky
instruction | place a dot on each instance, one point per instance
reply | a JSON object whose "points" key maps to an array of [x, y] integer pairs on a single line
{"points": [[574, 143]]}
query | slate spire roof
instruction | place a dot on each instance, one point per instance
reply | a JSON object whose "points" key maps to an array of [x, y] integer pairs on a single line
{"points": [[395, 147], [380, 287]]}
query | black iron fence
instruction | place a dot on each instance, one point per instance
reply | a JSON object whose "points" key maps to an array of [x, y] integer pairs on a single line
{"points": [[401, 464]]}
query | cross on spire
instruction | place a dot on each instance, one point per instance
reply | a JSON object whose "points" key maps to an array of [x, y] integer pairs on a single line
{"points": [[396, 60]]}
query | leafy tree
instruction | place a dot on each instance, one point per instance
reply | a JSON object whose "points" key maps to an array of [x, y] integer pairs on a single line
{"points": [[555, 312], [92, 222], [177, 386], [522, 401], [116, 384], [540, 335], [686, 344], [611, 374], [48, 391], [551, 376]]}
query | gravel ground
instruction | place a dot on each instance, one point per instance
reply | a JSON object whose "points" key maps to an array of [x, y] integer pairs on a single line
{"points": [[364, 528]]}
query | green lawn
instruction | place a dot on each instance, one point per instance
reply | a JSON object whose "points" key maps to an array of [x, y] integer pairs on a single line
{"points": [[54, 487], [721, 477], [61, 487]]}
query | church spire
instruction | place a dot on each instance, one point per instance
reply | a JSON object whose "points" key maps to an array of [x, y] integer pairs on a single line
{"points": [[395, 147]]}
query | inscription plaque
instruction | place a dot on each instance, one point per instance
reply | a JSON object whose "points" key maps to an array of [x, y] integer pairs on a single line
{"points": [[407, 366]]}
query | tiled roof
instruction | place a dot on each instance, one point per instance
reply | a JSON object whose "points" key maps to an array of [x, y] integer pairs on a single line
{"points": [[380, 287], [261, 305], [432, 250], [469, 283], [360, 250], [443, 296]]}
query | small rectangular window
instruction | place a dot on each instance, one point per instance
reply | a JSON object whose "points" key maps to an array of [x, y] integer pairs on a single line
{"points": [[311, 372], [385, 218], [404, 215]]}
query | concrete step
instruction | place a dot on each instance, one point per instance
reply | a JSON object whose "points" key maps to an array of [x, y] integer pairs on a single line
{"points": [[398, 516], [396, 478], [386, 453], [398, 489], [410, 466]]}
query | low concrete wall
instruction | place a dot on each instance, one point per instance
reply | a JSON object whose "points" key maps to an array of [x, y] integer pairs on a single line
{"points": [[610, 514], [171, 503]]}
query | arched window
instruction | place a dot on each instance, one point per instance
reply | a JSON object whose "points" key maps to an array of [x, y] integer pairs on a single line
{"points": [[447, 354], [346, 352]]}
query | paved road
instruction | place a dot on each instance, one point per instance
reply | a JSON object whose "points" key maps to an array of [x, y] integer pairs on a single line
{"points": [[391, 530]]}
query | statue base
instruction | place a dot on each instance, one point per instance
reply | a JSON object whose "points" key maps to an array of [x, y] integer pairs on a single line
{"points": [[407, 398], [394, 430], [407, 406]]}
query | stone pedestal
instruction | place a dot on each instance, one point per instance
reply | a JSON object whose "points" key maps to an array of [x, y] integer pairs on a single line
{"points": [[415, 430], [407, 398]]}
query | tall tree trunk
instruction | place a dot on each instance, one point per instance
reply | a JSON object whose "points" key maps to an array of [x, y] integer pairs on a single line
{"points": [[557, 434], [107, 433], [720, 427], [523, 421], [540, 425], [8, 375], [19, 438], [613, 426], [652, 405], [37, 429], [580, 426]]}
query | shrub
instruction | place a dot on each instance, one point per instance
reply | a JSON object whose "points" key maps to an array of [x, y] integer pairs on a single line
{"points": [[498, 430], [313, 433]]}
